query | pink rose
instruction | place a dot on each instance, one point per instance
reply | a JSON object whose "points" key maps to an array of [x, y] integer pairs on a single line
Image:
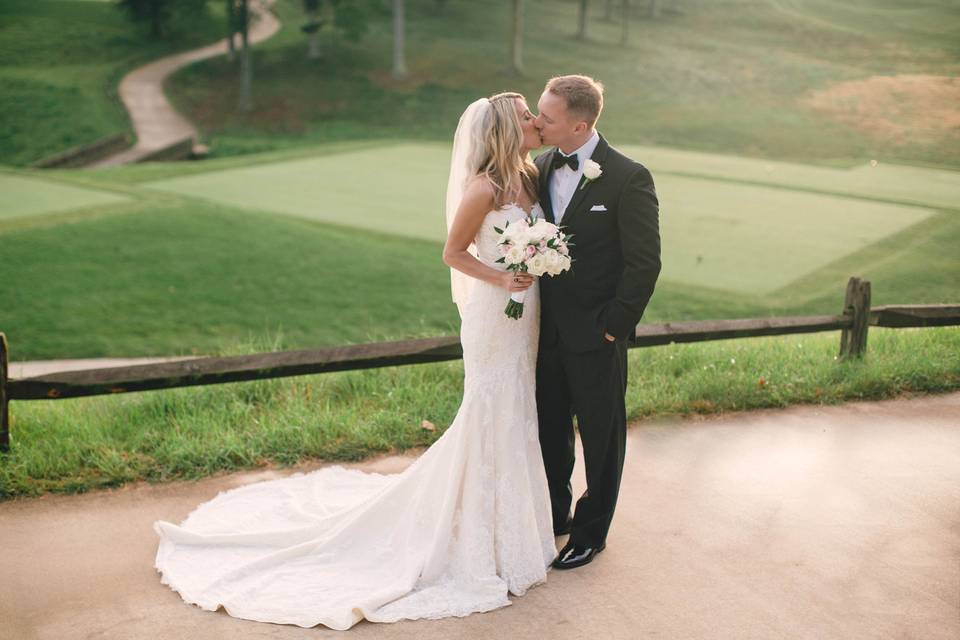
{"points": [[531, 251]]}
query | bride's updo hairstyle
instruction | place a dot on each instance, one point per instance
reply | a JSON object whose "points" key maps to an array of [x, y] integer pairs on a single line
{"points": [[498, 137]]}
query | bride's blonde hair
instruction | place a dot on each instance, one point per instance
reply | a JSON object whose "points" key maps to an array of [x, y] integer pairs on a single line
{"points": [[497, 156]]}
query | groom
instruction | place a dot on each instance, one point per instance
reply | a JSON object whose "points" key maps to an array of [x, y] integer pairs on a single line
{"points": [[608, 203]]}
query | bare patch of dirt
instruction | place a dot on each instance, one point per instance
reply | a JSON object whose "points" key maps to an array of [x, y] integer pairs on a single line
{"points": [[902, 109]]}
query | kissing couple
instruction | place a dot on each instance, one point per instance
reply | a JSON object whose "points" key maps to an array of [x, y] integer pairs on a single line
{"points": [[478, 515]]}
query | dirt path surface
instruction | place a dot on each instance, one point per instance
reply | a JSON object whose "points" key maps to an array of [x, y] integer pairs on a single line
{"points": [[811, 522], [156, 122]]}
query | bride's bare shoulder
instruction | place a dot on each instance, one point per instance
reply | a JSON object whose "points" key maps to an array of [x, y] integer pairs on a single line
{"points": [[479, 193], [480, 185]]}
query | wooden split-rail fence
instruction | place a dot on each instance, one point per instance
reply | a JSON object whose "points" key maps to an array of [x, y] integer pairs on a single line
{"points": [[853, 322]]}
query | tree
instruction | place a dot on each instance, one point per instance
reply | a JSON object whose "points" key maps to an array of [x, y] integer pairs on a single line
{"points": [[399, 37], [654, 8], [246, 68], [161, 14], [608, 14], [350, 17], [582, 30], [231, 30], [312, 28], [516, 42]]}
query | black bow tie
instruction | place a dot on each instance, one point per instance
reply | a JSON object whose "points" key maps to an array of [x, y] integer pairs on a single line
{"points": [[559, 160]]}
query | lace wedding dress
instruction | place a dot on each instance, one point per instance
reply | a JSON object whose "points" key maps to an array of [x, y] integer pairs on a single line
{"points": [[464, 525]]}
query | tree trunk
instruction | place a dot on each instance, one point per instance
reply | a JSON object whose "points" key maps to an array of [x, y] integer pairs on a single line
{"points": [[582, 31], [399, 41], [625, 23], [156, 17], [231, 31], [313, 39], [654, 8], [516, 43], [246, 68], [608, 14]]}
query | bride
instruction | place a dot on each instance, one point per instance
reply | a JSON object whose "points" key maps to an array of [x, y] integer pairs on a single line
{"points": [[464, 525]]}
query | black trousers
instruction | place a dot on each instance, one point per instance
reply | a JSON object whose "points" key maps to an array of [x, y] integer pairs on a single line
{"points": [[591, 386]]}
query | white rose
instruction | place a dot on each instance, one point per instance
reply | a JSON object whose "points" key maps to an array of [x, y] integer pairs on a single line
{"points": [[592, 170], [518, 234], [537, 265], [550, 262], [545, 230], [515, 255]]}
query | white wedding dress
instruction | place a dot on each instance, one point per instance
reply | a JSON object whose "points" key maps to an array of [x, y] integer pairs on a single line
{"points": [[464, 525]]}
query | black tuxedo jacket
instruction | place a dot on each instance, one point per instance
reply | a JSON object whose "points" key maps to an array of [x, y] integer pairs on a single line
{"points": [[616, 253]]}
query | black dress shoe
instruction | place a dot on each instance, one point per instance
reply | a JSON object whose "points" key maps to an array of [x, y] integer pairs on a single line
{"points": [[576, 555], [563, 529]]}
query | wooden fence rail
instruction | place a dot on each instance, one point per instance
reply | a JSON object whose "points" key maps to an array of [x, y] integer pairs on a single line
{"points": [[857, 316]]}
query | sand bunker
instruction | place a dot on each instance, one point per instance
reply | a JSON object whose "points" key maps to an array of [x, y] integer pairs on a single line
{"points": [[914, 109]]}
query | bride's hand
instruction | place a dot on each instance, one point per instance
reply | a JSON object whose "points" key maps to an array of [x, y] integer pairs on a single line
{"points": [[518, 281]]}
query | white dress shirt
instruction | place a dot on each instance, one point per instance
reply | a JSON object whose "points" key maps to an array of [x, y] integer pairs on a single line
{"points": [[564, 181]]}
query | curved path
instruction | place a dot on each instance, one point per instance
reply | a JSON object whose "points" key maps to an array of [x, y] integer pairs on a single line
{"points": [[810, 522], [31, 368], [156, 122]]}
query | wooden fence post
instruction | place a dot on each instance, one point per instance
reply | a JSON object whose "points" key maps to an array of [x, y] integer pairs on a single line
{"points": [[4, 400], [856, 306]]}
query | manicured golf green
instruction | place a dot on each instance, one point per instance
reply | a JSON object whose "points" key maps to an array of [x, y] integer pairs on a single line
{"points": [[393, 189], [23, 195], [724, 230], [342, 244], [878, 180]]}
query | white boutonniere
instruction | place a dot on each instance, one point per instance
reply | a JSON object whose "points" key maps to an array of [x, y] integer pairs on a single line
{"points": [[591, 171]]}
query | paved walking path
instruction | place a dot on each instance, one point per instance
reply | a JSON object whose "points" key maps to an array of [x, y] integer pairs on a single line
{"points": [[31, 368], [156, 122], [811, 522]]}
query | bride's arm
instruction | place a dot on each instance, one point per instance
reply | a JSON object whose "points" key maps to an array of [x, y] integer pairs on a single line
{"points": [[478, 200]]}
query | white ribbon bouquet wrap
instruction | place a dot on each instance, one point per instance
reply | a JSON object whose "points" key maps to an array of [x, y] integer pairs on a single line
{"points": [[535, 246]]}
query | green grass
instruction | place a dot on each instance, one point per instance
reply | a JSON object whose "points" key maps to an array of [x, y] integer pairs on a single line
{"points": [[86, 443], [25, 195], [198, 254], [398, 189], [186, 276], [318, 218], [885, 182], [711, 75], [717, 234], [60, 64]]}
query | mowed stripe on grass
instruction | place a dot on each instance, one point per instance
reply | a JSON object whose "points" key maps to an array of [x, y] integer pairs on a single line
{"points": [[22, 196], [394, 189], [720, 231], [922, 186]]}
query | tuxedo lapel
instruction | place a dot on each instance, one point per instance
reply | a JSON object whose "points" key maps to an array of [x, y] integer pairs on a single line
{"points": [[583, 187], [546, 203]]}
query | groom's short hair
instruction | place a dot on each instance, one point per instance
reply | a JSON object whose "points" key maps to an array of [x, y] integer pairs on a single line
{"points": [[583, 95]]}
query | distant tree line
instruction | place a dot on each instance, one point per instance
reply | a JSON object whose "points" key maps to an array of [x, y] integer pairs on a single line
{"points": [[351, 19]]}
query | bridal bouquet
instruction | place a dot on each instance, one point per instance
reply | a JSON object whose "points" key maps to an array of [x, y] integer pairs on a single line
{"points": [[534, 246]]}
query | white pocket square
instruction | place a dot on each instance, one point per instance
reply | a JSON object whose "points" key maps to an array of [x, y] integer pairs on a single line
{"points": [[598, 207]]}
